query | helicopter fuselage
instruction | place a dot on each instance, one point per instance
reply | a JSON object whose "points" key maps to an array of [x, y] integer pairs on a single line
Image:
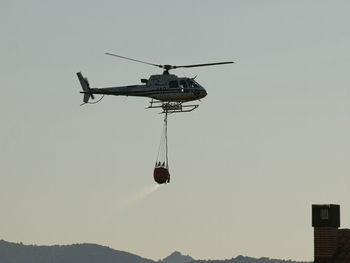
{"points": [[166, 88]]}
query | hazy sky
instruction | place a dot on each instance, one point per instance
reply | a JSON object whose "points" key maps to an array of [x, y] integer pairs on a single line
{"points": [[270, 139]]}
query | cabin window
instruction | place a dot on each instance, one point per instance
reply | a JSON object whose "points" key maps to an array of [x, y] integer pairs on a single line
{"points": [[324, 214], [173, 84], [183, 84]]}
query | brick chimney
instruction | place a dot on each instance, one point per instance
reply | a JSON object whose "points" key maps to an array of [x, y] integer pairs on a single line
{"points": [[325, 221]]}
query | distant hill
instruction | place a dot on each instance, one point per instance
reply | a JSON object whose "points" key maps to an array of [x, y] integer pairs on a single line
{"points": [[177, 257], [242, 259], [92, 253], [84, 253]]}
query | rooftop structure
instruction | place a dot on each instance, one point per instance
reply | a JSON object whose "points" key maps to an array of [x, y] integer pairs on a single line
{"points": [[331, 245]]}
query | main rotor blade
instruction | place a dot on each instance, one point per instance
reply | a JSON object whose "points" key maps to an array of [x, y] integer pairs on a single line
{"points": [[110, 54], [203, 65]]}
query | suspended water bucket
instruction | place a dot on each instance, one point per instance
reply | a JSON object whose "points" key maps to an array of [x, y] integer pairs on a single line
{"points": [[161, 175], [161, 170]]}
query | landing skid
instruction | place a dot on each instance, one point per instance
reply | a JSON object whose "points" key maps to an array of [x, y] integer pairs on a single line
{"points": [[171, 107]]}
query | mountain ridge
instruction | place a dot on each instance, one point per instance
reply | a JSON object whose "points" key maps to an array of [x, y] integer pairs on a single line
{"points": [[94, 253]]}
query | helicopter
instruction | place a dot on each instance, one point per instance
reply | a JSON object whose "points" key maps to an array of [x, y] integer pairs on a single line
{"points": [[167, 91]]}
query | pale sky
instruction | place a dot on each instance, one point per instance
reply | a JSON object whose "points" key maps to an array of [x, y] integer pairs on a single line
{"points": [[269, 140]]}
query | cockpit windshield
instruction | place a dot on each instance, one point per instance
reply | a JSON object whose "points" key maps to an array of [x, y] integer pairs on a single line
{"points": [[193, 84]]}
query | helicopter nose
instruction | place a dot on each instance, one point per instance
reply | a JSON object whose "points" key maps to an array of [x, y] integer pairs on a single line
{"points": [[204, 93]]}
